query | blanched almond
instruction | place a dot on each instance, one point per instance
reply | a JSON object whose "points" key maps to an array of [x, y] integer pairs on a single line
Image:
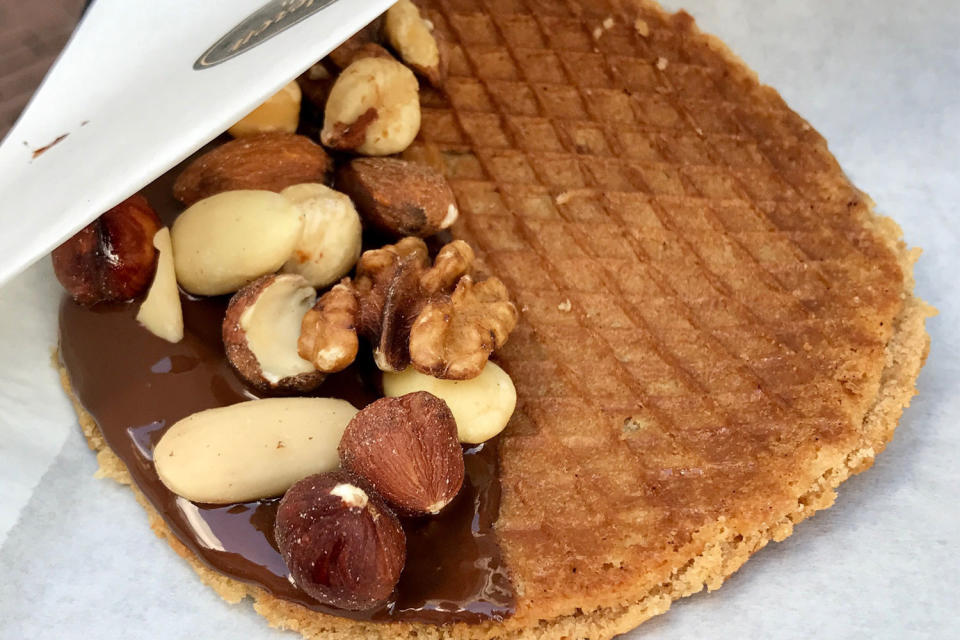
{"points": [[225, 241], [482, 406], [161, 313], [251, 450]]}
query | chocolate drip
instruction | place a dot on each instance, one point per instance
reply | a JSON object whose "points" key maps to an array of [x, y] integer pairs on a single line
{"points": [[136, 385]]}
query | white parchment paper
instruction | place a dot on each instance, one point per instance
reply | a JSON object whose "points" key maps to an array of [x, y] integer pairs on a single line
{"points": [[881, 80]]}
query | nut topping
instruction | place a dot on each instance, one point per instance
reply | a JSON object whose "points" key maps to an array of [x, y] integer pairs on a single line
{"points": [[261, 330], [408, 33], [267, 161], [330, 243], [279, 112], [373, 108], [399, 197], [482, 406], [251, 450], [328, 334], [161, 313], [113, 257], [387, 289], [223, 242], [341, 543], [458, 322], [407, 449]]}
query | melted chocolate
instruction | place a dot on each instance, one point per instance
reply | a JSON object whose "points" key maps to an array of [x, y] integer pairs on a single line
{"points": [[136, 385]]}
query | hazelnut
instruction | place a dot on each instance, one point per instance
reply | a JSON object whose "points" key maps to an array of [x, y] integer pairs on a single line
{"points": [[328, 333], [113, 257], [373, 108], [399, 197], [280, 112], [261, 330], [407, 449], [330, 243], [266, 161], [409, 34], [341, 543], [251, 450], [225, 241], [161, 313], [481, 406]]}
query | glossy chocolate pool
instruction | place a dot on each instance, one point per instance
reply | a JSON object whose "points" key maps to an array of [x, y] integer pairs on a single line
{"points": [[136, 385]]}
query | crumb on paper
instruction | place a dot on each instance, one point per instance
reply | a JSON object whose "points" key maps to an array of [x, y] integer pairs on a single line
{"points": [[642, 27], [662, 63], [565, 306], [39, 152]]}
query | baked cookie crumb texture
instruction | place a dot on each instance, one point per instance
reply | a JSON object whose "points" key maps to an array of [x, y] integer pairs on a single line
{"points": [[715, 331], [707, 302]]}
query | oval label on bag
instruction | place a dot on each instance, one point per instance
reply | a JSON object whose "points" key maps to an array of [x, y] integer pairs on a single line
{"points": [[272, 18]]}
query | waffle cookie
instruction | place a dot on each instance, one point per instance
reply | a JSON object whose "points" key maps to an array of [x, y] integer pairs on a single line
{"points": [[716, 329]]}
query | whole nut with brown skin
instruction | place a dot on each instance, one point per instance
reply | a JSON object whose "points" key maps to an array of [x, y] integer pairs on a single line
{"points": [[261, 331], [341, 543], [407, 449], [267, 161], [437, 317], [113, 257], [399, 197]]}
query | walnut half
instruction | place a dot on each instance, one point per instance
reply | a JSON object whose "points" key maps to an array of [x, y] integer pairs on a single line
{"points": [[442, 318]]}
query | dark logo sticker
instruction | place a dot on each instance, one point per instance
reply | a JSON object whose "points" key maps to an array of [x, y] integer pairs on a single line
{"points": [[272, 18]]}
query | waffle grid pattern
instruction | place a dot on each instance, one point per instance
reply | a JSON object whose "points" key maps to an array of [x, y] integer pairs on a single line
{"points": [[703, 311]]}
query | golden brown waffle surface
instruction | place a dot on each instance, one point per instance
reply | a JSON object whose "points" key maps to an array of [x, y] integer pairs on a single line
{"points": [[706, 299], [716, 330]]}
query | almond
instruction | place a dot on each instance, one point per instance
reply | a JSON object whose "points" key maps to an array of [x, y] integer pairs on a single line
{"points": [[228, 240], [373, 108], [481, 406], [399, 197], [251, 450], [407, 449], [161, 313], [267, 161]]}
